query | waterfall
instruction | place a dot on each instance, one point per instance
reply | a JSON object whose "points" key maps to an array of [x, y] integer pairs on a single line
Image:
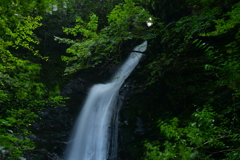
{"points": [[95, 133]]}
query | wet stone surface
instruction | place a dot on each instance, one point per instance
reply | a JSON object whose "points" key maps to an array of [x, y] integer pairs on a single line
{"points": [[51, 133]]}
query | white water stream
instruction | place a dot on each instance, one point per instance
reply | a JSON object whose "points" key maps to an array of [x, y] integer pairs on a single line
{"points": [[95, 133]]}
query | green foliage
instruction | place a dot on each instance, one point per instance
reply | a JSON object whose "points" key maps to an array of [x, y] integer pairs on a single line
{"points": [[201, 4], [22, 94], [198, 65], [200, 138], [126, 21], [81, 49], [226, 61], [193, 54], [176, 39], [14, 133], [224, 25]]}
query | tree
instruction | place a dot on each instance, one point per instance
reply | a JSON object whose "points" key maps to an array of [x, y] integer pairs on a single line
{"points": [[22, 94], [198, 62], [126, 21], [205, 136]]}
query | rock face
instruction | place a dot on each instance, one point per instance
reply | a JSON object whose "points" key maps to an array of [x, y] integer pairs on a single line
{"points": [[52, 133], [138, 116], [131, 127]]}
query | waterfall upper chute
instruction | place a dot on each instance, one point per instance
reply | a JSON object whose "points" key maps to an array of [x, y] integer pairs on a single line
{"points": [[95, 133]]}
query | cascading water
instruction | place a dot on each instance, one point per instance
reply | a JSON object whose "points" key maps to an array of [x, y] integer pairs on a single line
{"points": [[95, 133]]}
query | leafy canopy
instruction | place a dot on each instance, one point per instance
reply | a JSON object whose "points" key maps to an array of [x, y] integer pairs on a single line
{"points": [[93, 45], [22, 94]]}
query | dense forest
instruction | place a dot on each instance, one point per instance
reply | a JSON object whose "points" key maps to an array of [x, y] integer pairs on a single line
{"points": [[189, 78]]}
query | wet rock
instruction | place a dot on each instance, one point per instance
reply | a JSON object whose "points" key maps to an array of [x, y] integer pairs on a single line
{"points": [[52, 132]]}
